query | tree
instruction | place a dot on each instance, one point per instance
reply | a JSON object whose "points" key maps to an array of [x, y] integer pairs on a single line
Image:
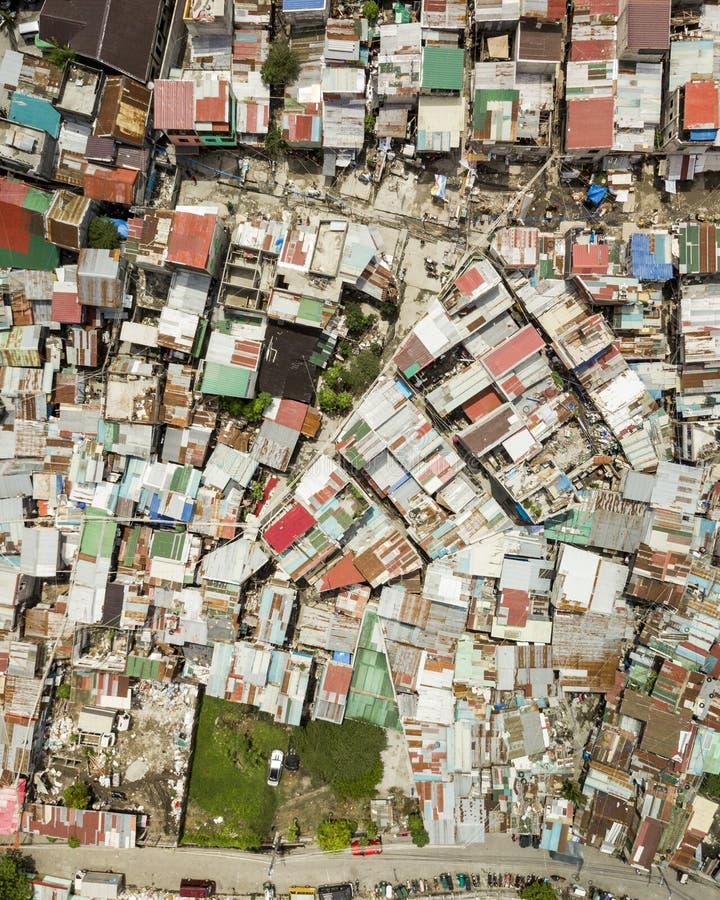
{"points": [[334, 402], [335, 834], [370, 10], [571, 791], [77, 795], [371, 830], [59, 55], [416, 827], [103, 235], [357, 322], [8, 20], [282, 65], [63, 691], [538, 890], [364, 368], [369, 124], [14, 881], [274, 144]]}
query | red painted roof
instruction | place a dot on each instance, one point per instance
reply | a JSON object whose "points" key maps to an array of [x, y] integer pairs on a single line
{"points": [[112, 185], [14, 224], [337, 679], [291, 413], [483, 404], [66, 308], [604, 7], [469, 281], [516, 603], [174, 105], [590, 259], [288, 528], [513, 351], [582, 51], [191, 238], [590, 124], [214, 107], [341, 575], [701, 105], [13, 192]]}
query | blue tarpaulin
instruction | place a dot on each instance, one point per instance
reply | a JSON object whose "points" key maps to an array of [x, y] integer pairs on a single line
{"points": [[596, 193], [122, 227]]}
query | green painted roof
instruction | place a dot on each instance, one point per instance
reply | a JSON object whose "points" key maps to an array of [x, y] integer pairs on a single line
{"points": [[485, 96], [167, 545], [442, 68], [142, 667], [37, 200], [371, 696], [41, 254], [98, 534], [225, 380]]}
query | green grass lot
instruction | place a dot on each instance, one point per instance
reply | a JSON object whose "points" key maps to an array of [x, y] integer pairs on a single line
{"points": [[232, 747], [339, 768]]}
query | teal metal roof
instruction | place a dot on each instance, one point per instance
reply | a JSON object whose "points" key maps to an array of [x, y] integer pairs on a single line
{"points": [[225, 380], [34, 112], [442, 68]]}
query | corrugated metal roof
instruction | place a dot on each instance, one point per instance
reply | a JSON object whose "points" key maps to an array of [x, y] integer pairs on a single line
{"points": [[35, 112], [112, 185], [700, 110], [191, 238], [174, 105], [648, 24], [590, 124], [442, 68]]}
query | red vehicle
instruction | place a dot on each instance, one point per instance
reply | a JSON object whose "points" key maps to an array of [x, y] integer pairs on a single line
{"points": [[197, 888], [372, 848]]}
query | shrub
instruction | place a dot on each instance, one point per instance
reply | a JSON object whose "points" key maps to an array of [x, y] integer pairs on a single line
{"points": [[370, 10], [416, 827], [274, 144], [334, 402], [335, 834], [282, 65], [347, 757], [77, 795], [73, 842], [60, 55], [540, 890], [63, 691]]}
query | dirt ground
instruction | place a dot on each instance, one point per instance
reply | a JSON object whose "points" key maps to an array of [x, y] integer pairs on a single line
{"points": [[151, 758]]}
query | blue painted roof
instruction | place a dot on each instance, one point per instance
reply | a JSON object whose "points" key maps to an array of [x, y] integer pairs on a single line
{"points": [[300, 5], [34, 112], [647, 264]]}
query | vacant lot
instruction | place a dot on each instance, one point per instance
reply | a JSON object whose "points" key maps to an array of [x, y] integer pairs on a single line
{"points": [[229, 802]]}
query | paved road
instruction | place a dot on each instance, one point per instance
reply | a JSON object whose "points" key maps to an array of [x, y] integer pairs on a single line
{"points": [[243, 873]]}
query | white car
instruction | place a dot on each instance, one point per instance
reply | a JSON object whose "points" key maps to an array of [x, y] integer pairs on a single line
{"points": [[275, 768]]}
